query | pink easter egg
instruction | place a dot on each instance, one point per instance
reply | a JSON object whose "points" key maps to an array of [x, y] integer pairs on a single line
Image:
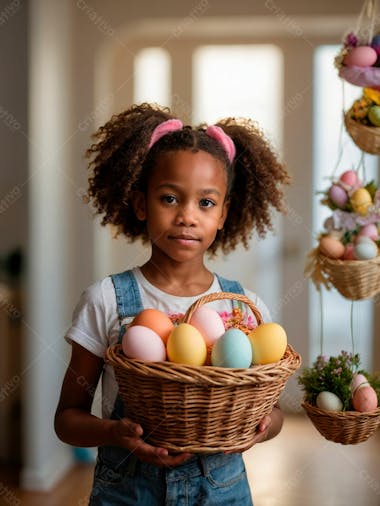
{"points": [[338, 195], [349, 177], [370, 231], [357, 380], [349, 252], [144, 344], [364, 399], [209, 323], [360, 56]]}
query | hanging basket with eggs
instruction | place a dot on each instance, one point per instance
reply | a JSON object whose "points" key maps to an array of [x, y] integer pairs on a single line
{"points": [[341, 404], [348, 256], [206, 408], [362, 121], [358, 61]]}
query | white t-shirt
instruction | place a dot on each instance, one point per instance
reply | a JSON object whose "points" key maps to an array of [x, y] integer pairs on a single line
{"points": [[96, 325]]}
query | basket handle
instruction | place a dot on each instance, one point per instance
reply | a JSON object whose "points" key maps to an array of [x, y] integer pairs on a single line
{"points": [[221, 296]]}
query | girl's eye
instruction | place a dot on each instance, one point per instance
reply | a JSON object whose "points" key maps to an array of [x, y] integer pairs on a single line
{"points": [[206, 203], [169, 199]]}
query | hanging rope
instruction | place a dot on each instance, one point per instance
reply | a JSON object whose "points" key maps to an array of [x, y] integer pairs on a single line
{"points": [[366, 22], [321, 323]]}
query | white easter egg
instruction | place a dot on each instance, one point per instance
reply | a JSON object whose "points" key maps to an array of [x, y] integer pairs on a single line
{"points": [[329, 401], [365, 248]]}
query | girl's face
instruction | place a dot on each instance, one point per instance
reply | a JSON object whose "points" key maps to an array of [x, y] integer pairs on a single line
{"points": [[185, 204]]}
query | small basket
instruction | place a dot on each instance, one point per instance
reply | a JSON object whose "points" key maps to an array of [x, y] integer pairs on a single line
{"points": [[354, 279], [367, 138], [200, 409], [345, 427]]}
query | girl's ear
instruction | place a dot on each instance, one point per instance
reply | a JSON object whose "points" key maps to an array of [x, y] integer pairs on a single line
{"points": [[223, 216], [138, 200]]}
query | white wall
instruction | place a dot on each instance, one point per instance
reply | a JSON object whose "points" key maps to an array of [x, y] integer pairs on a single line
{"points": [[50, 246]]}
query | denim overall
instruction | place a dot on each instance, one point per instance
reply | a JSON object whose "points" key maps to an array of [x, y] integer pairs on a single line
{"points": [[203, 480]]}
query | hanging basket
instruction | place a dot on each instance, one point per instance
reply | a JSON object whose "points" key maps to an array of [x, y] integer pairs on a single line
{"points": [[365, 77], [354, 279], [365, 137], [366, 28], [345, 427], [200, 409]]}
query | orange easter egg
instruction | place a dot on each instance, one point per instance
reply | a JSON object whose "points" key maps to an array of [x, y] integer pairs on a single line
{"points": [[331, 247], [155, 320]]}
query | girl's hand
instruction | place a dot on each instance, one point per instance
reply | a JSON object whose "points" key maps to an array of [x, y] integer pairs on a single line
{"points": [[262, 430], [129, 435], [268, 428], [260, 435]]}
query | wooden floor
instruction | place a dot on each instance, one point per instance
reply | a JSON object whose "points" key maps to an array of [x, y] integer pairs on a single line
{"points": [[298, 468]]}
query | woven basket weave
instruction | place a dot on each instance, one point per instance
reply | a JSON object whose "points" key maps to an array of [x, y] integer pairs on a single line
{"points": [[200, 409], [345, 427], [365, 137], [354, 279]]}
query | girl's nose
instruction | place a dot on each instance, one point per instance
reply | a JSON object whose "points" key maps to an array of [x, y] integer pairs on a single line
{"points": [[186, 216]]}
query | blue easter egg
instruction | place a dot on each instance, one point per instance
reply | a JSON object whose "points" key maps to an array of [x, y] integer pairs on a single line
{"points": [[233, 349]]}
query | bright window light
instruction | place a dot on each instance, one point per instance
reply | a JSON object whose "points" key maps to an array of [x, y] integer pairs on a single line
{"points": [[152, 74], [335, 151], [239, 80]]}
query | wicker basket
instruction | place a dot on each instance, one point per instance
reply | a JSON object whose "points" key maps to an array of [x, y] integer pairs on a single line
{"points": [[354, 279], [200, 409], [365, 137], [345, 427]]}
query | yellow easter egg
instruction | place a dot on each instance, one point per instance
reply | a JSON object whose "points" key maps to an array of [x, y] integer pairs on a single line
{"points": [[372, 94], [361, 200], [186, 345], [268, 342]]}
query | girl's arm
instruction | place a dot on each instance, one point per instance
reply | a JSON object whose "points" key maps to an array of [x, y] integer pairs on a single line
{"points": [[75, 425]]}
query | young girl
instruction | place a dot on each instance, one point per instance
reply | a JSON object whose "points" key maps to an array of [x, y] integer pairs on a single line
{"points": [[188, 192]]}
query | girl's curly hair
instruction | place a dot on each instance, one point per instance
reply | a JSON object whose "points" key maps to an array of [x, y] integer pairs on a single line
{"points": [[120, 162]]}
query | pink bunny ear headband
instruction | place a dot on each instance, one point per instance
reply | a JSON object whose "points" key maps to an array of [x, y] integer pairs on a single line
{"points": [[217, 133]]}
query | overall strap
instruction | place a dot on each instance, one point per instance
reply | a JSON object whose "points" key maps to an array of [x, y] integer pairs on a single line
{"points": [[129, 303], [230, 286], [127, 292]]}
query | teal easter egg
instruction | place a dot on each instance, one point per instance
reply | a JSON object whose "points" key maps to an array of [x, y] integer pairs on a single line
{"points": [[233, 349]]}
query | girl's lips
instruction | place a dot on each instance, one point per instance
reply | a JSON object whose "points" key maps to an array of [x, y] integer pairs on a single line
{"points": [[184, 239]]}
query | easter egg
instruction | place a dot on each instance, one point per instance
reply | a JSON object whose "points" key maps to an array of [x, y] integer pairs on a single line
{"points": [[360, 56], [349, 252], [358, 381], [186, 345], [209, 323], [361, 200], [374, 115], [370, 231], [143, 343], [364, 399], [331, 247], [375, 43], [365, 248], [329, 401], [268, 343], [156, 320], [232, 349], [349, 178], [338, 195]]}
